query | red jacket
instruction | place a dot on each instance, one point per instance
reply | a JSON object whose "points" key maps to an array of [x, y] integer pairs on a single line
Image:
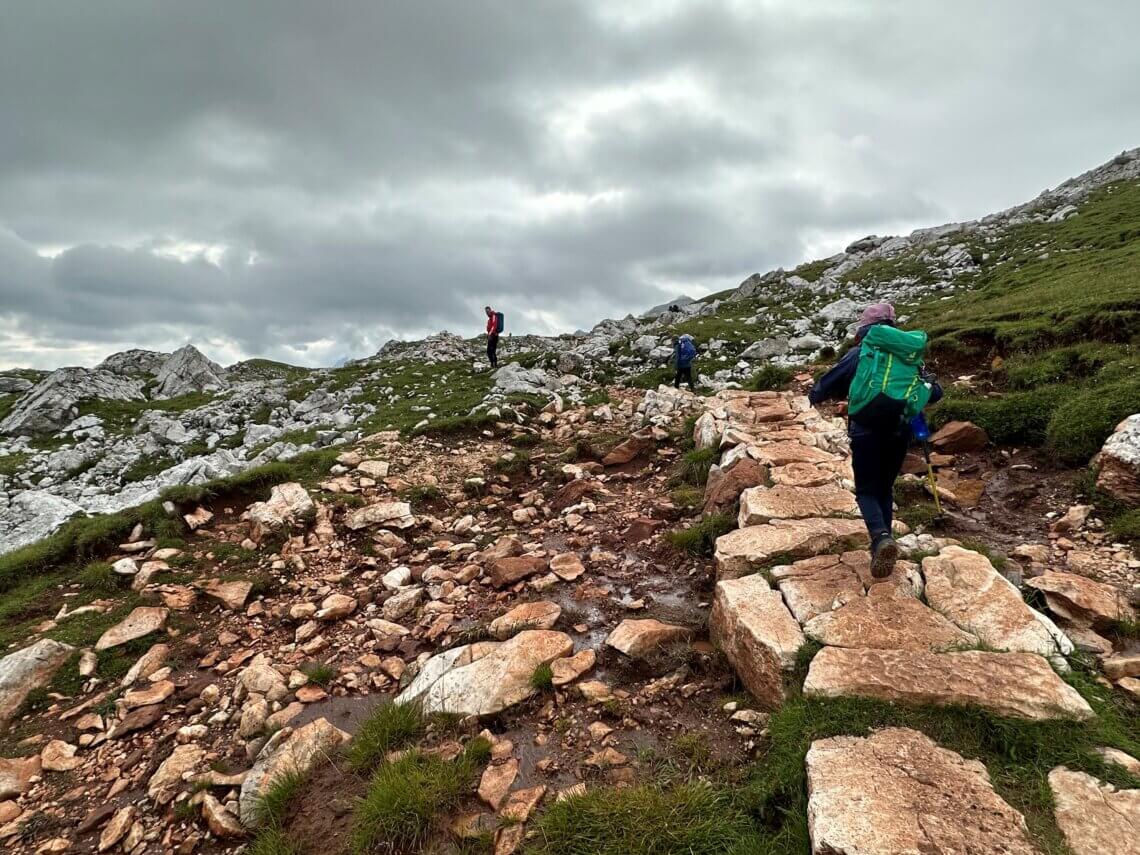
{"points": [[492, 324]]}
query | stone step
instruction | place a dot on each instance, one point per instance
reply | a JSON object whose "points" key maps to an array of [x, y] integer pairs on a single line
{"points": [[887, 618], [816, 585], [759, 505], [757, 634], [1019, 685], [897, 792], [964, 586], [746, 549]]}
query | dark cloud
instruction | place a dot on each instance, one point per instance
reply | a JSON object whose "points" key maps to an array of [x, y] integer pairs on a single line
{"points": [[303, 181]]}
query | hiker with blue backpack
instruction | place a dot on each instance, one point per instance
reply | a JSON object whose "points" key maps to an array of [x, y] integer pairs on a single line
{"points": [[885, 382], [684, 352], [495, 324]]}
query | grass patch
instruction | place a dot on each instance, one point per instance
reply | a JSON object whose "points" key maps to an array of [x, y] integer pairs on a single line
{"points": [[421, 493], [700, 538], [517, 461], [770, 378], [13, 464], [320, 673], [542, 679], [691, 818], [693, 467], [688, 498], [273, 805], [118, 416], [389, 727], [406, 800], [99, 578], [273, 841]]}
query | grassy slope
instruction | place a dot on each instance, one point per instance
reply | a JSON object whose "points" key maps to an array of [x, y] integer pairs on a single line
{"points": [[1066, 326]]}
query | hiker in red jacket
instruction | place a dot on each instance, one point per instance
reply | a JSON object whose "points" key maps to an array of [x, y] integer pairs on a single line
{"points": [[494, 327]]}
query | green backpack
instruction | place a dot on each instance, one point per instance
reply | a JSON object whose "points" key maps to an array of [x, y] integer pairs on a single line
{"points": [[888, 388]]}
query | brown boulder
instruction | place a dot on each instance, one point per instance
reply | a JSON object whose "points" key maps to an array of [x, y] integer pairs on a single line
{"points": [[627, 451], [540, 615], [888, 618], [1080, 599], [724, 486], [139, 623], [744, 550], [506, 571], [897, 791], [759, 505], [956, 437], [640, 637]]}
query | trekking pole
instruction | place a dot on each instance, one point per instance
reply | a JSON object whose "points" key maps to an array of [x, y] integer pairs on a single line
{"points": [[922, 433]]}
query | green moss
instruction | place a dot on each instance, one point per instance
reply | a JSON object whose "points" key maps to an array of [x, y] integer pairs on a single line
{"points": [[13, 464], [542, 679], [1015, 418]]}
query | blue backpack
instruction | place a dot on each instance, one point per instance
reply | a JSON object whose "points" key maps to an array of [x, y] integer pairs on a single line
{"points": [[500, 322], [685, 353]]}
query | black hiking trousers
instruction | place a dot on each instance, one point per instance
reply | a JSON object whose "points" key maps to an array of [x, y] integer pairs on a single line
{"points": [[492, 350], [877, 458], [685, 374]]}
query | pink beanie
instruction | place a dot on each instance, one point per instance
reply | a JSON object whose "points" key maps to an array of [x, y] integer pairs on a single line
{"points": [[877, 313]]}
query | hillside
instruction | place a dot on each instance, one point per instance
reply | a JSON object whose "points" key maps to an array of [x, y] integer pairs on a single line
{"points": [[410, 605]]}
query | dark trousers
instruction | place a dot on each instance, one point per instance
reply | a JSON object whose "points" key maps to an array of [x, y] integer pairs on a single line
{"points": [[877, 459], [492, 350], [685, 374]]}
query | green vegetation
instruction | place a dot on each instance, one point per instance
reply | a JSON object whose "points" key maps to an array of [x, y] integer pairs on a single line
{"points": [[118, 416], [542, 679], [767, 812], [13, 464], [421, 494], [812, 270], [407, 799], [700, 538], [770, 378], [693, 467], [320, 673], [1060, 302], [99, 578], [694, 817], [517, 461], [271, 811], [390, 726]]}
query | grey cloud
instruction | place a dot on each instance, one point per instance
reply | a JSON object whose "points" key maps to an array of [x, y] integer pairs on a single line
{"points": [[392, 167]]}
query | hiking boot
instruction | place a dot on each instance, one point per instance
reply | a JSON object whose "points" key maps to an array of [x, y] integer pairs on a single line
{"points": [[884, 554]]}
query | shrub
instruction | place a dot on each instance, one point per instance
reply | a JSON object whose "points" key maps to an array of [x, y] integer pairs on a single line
{"points": [[99, 577]]}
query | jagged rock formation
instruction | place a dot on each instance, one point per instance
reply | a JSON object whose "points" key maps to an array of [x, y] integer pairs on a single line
{"points": [[186, 371]]}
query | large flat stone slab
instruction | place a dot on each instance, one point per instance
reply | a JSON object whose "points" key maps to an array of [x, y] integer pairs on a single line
{"points": [[761, 504], [897, 792], [487, 677], [757, 633], [1018, 685], [787, 451], [1095, 817], [26, 670], [1080, 599], [964, 586], [817, 585], [888, 618], [746, 549]]}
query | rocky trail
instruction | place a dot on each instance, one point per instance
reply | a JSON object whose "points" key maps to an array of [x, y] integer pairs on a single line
{"points": [[517, 605]]}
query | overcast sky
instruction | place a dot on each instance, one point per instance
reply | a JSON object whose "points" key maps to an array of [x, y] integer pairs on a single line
{"points": [[304, 180]]}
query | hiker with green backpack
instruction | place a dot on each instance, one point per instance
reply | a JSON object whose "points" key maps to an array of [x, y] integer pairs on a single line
{"points": [[886, 385]]}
